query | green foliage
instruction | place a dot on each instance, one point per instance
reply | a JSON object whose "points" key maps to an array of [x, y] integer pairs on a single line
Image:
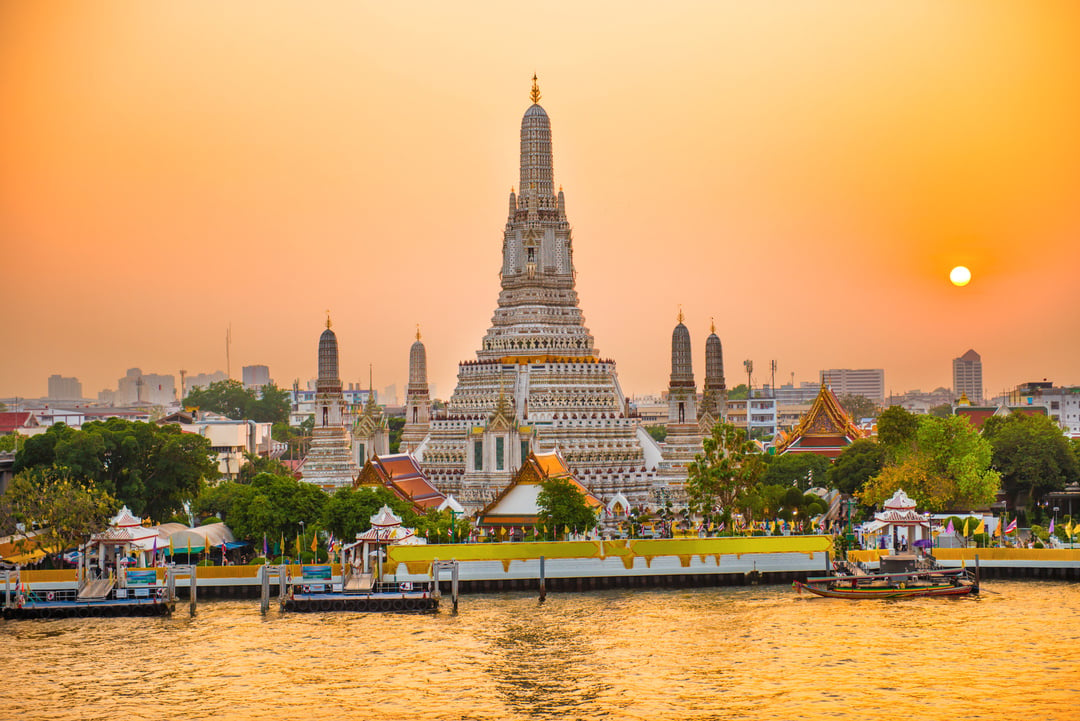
{"points": [[737, 393], [658, 432], [349, 510], [561, 504], [270, 505], [896, 430], [857, 464], [254, 465], [857, 406], [11, 442], [230, 398], [803, 469], [65, 509], [729, 468], [946, 466], [1032, 455], [395, 424], [442, 527], [942, 411], [152, 469]]}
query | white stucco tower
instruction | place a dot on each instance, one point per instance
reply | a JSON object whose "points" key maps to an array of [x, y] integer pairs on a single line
{"points": [[417, 399], [329, 462], [538, 381]]}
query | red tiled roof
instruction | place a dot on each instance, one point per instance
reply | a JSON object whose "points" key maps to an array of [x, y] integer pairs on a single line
{"points": [[11, 420]]}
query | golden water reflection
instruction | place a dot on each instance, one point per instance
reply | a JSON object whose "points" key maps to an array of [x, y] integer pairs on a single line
{"points": [[746, 653]]}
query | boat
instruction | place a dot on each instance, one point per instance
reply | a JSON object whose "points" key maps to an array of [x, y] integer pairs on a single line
{"points": [[910, 584]]}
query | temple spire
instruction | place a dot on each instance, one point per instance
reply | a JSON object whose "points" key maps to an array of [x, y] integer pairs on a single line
{"points": [[534, 94], [681, 318]]}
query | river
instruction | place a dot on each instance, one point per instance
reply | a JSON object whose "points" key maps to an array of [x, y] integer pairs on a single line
{"points": [[717, 653]]}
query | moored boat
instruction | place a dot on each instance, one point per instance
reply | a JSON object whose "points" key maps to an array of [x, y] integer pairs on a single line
{"points": [[913, 584]]}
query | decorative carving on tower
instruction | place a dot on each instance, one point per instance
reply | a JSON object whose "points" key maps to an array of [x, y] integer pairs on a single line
{"points": [[538, 380], [329, 462], [714, 393], [417, 399]]}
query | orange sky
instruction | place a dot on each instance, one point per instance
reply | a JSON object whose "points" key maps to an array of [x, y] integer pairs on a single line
{"points": [[805, 172]]}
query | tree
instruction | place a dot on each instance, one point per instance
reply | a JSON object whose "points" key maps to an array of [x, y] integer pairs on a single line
{"points": [[395, 425], [442, 527], [729, 467], [896, 429], [271, 506], [737, 393], [349, 510], [658, 432], [1032, 455], [803, 469], [561, 505], [64, 510], [254, 465], [857, 406], [11, 442], [946, 467], [941, 411], [152, 469], [857, 464], [231, 399]]}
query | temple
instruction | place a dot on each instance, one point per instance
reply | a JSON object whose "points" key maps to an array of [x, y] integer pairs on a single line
{"points": [[826, 429], [684, 431], [329, 463], [417, 399], [538, 382]]}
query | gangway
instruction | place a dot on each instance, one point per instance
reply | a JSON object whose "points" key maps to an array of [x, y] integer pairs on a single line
{"points": [[97, 589]]}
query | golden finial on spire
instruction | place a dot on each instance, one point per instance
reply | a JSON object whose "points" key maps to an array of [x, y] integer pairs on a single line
{"points": [[712, 325], [327, 317], [535, 94], [417, 331], [680, 314]]}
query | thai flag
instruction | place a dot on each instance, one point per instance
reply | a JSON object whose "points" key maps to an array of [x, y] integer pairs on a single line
{"points": [[330, 543], [1011, 527]]}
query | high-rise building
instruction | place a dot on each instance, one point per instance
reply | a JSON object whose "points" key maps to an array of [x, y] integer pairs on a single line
{"points": [[538, 381], [866, 382], [64, 389], [967, 376], [255, 376], [138, 388], [329, 463]]}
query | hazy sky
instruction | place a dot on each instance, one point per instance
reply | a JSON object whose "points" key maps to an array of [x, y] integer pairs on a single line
{"points": [[804, 172]]}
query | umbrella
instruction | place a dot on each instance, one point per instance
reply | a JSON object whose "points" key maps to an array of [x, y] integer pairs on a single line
{"points": [[127, 561]]}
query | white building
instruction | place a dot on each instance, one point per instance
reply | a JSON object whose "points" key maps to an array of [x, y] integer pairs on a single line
{"points": [[255, 376], [62, 388], [866, 382], [967, 377]]}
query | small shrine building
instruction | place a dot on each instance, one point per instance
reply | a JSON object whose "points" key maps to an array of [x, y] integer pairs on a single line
{"points": [[826, 429]]}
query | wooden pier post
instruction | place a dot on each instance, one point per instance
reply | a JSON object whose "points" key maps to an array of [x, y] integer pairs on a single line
{"points": [[454, 585], [543, 588], [193, 588], [264, 604]]}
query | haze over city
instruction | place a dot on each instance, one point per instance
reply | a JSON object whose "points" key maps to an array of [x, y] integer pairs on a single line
{"points": [[807, 178]]}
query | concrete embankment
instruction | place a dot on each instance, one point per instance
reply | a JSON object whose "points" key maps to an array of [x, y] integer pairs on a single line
{"points": [[588, 565]]}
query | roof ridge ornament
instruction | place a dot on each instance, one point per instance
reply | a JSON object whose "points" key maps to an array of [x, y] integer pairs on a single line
{"points": [[534, 95], [417, 331], [328, 318], [712, 325], [681, 317]]}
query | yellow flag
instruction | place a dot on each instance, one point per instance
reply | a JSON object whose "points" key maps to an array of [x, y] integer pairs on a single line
{"points": [[1069, 529], [966, 521], [298, 545], [314, 542], [981, 528], [997, 529]]}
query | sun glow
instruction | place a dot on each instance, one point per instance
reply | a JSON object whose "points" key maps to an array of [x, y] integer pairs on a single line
{"points": [[960, 276]]}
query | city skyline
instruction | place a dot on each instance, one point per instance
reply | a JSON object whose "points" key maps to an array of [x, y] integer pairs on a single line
{"points": [[183, 171]]}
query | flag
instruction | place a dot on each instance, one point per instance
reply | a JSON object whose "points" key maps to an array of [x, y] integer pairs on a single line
{"points": [[189, 545], [281, 548], [720, 527], [223, 553], [298, 545], [949, 529], [997, 530], [314, 542], [1011, 527], [1069, 529], [981, 528], [966, 520], [536, 532], [1051, 531], [170, 547], [153, 554]]}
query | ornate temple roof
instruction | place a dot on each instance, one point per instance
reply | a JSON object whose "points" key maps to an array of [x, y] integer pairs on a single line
{"points": [[825, 429], [401, 474]]}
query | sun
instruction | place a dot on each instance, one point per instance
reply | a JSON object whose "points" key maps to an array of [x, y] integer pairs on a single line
{"points": [[960, 276]]}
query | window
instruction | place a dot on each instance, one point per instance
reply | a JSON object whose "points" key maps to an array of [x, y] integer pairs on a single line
{"points": [[524, 450], [499, 453], [478, 455]]}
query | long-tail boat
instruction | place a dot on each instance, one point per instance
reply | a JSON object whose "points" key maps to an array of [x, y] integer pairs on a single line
{"points": [[937, 582]]}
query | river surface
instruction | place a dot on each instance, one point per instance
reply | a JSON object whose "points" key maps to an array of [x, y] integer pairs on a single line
{"points": [[716, 653]]}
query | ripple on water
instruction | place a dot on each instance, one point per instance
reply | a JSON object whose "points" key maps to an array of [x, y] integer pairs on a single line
{"points": [[745, 653]]}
